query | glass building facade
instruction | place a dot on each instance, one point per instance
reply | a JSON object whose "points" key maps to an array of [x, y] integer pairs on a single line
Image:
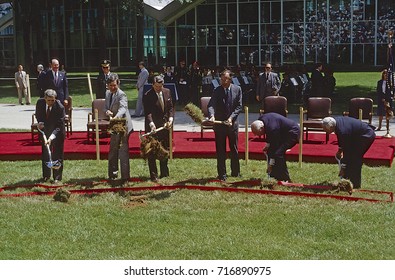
{"points": [[221, 32]]}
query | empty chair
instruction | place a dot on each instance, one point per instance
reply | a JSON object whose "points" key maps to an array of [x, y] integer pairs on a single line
{"points": [[68, 117], [275, 104], [317, 109], [365, 104], [103, 119], [203, 105]]}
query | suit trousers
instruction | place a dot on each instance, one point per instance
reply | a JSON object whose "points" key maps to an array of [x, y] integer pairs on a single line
{"points": [[119, 150], [23, 93], [163, 138], [354, 166], [222, 132], [56, 148]]}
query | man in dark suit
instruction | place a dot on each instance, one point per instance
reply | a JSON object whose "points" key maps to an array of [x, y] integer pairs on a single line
{"points": [[268, 84], [354, 138], [159, 112], [57, 80], [225, 105], [40, 84], [50, 116], [101, 82], [317, 81], [117, 107], [281, 134]]}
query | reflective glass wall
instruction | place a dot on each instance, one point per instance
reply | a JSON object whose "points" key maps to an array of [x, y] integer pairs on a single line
{"points": [[285, 31], [222, 32]]}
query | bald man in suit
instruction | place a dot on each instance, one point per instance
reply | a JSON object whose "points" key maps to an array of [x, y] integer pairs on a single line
{"points": [[57, 80]]}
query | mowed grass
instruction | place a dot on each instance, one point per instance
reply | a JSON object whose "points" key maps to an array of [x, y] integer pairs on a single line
{"points": [[191, 224]]}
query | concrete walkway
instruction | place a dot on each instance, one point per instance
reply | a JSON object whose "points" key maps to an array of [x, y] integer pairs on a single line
{"points": [[20, 117]]}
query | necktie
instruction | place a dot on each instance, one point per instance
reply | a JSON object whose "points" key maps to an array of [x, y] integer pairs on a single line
{"points": [[228, 101], [267, 76], [111, 98], [56, 77], [48, 112], [162, 104]]}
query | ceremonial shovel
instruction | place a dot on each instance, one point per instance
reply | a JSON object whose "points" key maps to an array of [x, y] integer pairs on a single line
{"points": [[142, 136], [50, 164]]}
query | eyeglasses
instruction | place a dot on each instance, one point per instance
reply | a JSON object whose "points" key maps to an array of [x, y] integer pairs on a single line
{"points": [[104, 67], [268, 67]]}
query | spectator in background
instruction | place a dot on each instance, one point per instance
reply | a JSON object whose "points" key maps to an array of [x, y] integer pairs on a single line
{"points": [[329, 83], [384, 99], [196, 81], [40, 83], [268, 84], [168, 76], [207, 79], [21, 83], [182, 79], [57, 80], [101, 82], [317, 81], [141, 81]]}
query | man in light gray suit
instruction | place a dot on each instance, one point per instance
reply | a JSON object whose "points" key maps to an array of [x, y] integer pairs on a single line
{"points": [[21, 85], [141, 81], [268, 84], [117, 107]]}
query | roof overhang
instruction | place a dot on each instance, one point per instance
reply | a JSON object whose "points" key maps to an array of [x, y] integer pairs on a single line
{"points": [[167, 11]]}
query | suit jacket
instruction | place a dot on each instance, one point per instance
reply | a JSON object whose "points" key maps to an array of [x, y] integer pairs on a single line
{"points": [[54, 124], [21, 79], [218, 104], [41, 83], [280, 132], [142, 79], [119, 107], [317, 83], [61, 86], [153, 110], [350, 134], [101, 85], [268, 86]]}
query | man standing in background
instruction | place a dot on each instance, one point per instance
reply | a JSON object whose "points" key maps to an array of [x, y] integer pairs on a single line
{"points": [[40, 84], [141, 81], [101, 82], [57, 80], [268, 84], [21, 83]]}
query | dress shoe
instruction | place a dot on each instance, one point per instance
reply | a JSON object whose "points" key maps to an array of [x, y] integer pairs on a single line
{"points": [[22, 103], [154, 179], [27, 103], [236, 175], [57, 182], [222, 178], [45, 179]]}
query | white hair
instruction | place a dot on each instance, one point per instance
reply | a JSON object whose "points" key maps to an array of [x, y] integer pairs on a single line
{"points": [[328, 123]]}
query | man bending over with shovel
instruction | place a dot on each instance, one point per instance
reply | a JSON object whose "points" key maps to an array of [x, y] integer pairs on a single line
{"points": [[50, 116]]}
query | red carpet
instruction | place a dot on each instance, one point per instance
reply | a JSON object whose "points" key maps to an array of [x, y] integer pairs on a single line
{"points": [[18, 146]]}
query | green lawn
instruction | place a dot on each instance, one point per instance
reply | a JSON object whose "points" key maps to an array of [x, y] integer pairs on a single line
{"points": [[188, 224], [191, 224]]}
